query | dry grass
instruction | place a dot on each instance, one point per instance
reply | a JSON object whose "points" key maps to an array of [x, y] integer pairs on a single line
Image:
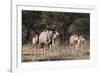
{"points": [[43, 54]]}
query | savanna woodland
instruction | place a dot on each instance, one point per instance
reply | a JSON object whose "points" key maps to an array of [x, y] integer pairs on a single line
{"points": [[66, 24]]}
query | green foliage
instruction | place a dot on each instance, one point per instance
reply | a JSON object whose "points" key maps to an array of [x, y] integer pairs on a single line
{"points": [[80, 25]]}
